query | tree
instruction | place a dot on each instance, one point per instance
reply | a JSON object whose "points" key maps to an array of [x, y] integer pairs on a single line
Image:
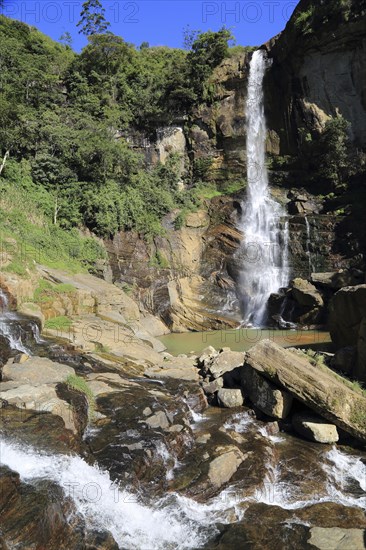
{"points": [[93, 19], [331, 153], [66, 39]]}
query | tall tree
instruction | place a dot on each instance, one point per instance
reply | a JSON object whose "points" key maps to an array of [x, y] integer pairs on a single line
{"points": [[93, 19]]}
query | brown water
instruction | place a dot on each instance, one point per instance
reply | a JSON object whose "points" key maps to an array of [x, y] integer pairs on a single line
{"points": [[243, 339]]}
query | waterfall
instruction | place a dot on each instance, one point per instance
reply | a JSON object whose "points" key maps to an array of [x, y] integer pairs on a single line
{"points": [[12, 330], [264, 249]]}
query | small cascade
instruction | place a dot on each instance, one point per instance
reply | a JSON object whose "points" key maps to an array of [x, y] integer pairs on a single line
{"points": [[264, 249], [308, 243], [17, 331]]}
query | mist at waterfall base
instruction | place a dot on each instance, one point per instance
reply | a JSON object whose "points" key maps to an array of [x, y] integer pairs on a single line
{"points": [[264, 249]]}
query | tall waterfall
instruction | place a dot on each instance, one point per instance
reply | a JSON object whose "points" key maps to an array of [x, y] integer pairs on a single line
{"points": [[264, 250]]}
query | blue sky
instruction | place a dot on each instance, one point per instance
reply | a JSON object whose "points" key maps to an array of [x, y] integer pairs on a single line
{"points": [[159, 22]]}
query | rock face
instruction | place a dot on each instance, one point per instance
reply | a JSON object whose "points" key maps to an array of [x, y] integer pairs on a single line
{"points": [[316, 386], [317, 71], [347, 324], [314, 428], [265, 396]]}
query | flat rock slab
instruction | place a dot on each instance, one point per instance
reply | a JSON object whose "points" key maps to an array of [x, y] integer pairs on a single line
{"points": [[37, 370], [337, 539], [318, 387]]}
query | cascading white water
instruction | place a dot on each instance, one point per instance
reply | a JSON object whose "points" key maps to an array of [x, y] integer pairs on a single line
{"points": [[264, 250], [107, 507]]}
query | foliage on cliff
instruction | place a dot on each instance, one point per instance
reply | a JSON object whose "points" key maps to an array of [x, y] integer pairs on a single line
{"points": [[63, 117]]}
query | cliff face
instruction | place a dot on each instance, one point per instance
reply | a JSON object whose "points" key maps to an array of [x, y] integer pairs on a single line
{"points": [[318, 71]]}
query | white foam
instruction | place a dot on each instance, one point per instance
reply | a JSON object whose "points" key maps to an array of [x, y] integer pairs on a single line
{"points": [[105, 506]]}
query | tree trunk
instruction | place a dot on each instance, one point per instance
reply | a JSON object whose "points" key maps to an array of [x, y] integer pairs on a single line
{"points": [[6, 156]]}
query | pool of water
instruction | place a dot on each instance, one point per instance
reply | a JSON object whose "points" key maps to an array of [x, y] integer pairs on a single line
{"points": [[243, 339]]}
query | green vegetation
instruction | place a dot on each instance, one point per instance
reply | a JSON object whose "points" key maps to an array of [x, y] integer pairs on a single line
{"points": [[358, 416], [304, 20], [47, 292], [79, 384], [93, 19], [64, 119], [61, 323]]}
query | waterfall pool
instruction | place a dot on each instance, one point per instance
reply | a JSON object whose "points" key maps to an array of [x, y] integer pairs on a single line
{"points": [[242, 339]]}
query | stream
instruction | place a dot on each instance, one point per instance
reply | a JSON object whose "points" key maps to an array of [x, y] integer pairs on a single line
{"points": [[137, 485]]}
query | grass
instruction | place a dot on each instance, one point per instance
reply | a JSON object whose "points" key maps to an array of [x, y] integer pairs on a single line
{"points": [[318, 360], [210, 190], [47, 292], [358, 416], [79, 384], [37, 240], [16, 266], [61, 323]]}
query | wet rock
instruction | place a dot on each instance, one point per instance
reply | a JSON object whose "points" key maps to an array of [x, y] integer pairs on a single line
{"points": [[223, 467], [264, 395], [226, 361], [318, 387], [337, 539], [40, 398], [32, 310], [315, 429], [158, 420], [36, 370], [21, 358], [38, 516], [230, 398]]}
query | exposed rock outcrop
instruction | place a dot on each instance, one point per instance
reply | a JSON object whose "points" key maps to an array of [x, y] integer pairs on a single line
{"points": [[316, 386]]}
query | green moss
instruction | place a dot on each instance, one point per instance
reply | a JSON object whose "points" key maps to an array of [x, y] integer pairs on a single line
{"points": [[79, 384], [61, 323]]}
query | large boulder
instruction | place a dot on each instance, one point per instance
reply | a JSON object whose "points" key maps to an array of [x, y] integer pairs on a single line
{"points": [[40, 398], [305, 294], [314, 428], [316, 386], [347, 324], [264, 395]]}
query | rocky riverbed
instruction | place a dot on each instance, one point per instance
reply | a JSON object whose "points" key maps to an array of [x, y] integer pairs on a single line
{"points": [[105, 449]]}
